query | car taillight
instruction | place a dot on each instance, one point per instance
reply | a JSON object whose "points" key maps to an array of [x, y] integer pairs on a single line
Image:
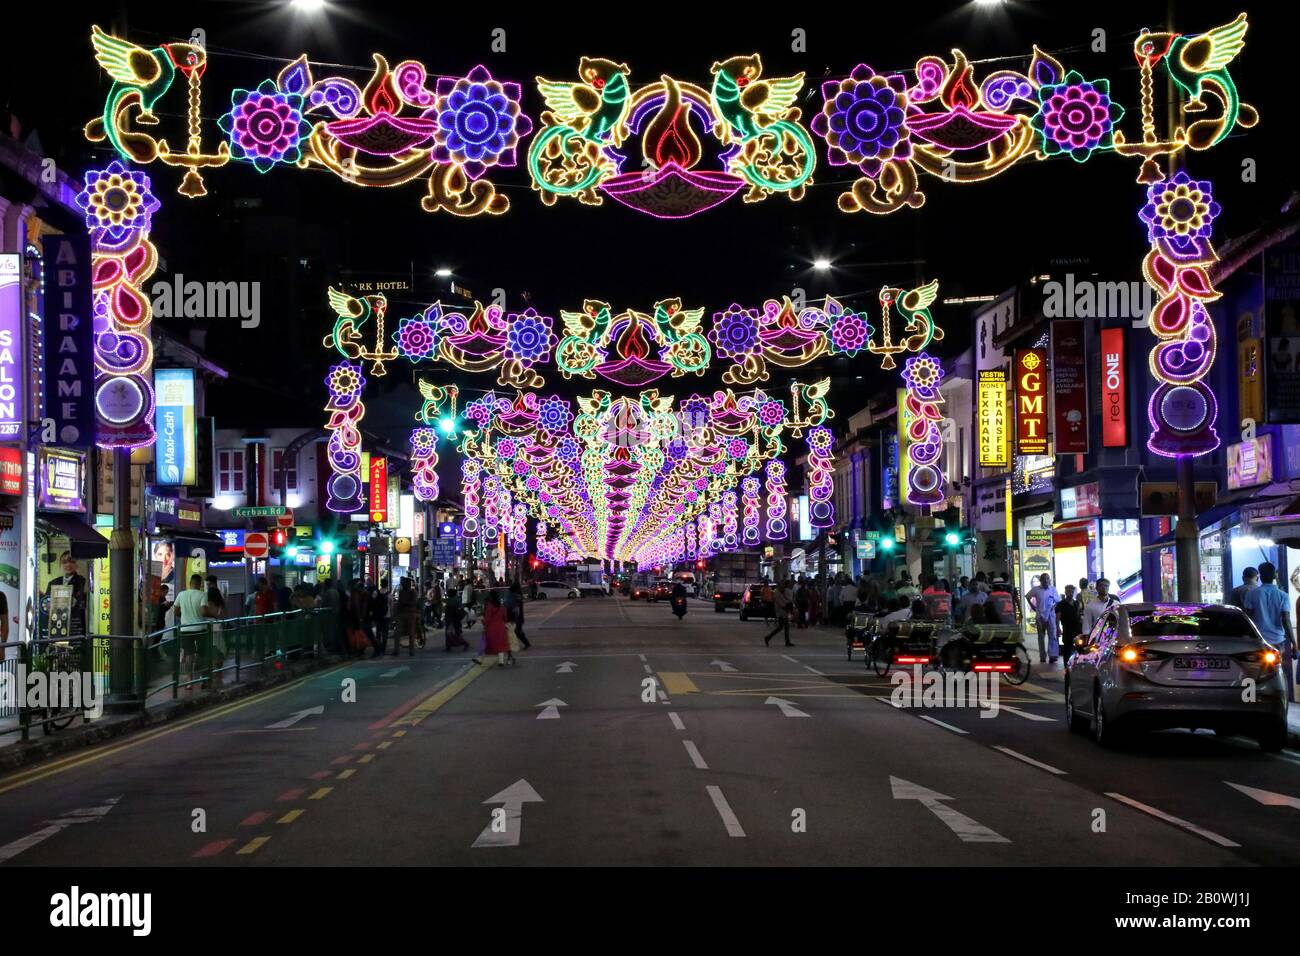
{"points": [[1267, 658], [1133, 655], [717, 595]]}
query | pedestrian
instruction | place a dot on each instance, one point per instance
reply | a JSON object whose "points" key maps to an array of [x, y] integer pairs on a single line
{"points": [[264, 601], [215, 609], [408, 618], [454, 616], [1095, 609], [516, 611], [905, 586], [769, 597], [359, 615], [1043, 599], [848, 598], [283, 596], [1269, 608], [781, 607], [1069, 613], [380, 597], [963, 586], [190, 606], [1249, 581], [1087, 593], [161, 609], [496, 639]]}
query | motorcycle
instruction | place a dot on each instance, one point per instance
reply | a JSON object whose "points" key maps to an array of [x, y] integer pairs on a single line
{"points": [[679, 606]]}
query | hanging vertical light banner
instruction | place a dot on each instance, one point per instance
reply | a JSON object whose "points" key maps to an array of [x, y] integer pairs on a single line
{"points": [[176, 450], [749, 491], [1179, 215], [821, 477], [345, 383], [776, 522], [491, 487], [730, 517], [69, 341], [991, 418], [520, 544], [691, 550], [904, 460], [12, 387], [469, 477], [1069, 387], [922, 399], [1114, 409], [378, 489], [1031, 402]]}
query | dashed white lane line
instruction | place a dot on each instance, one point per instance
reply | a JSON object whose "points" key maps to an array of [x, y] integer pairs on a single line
{"points": [[790, 659], [1024, 713], [1176, 821], [648, 668], [813, 670], [677, 721], [940, 723], [663, 697], [724, 810], [642, 656], [696, 757], [1029, 760]]}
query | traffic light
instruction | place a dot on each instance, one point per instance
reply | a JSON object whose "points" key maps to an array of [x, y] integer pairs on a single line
{"points": [[953, 536], [700, 564], [278, 540], [887, 545]]}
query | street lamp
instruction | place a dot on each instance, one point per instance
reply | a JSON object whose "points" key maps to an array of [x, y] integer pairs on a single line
{"points": [[443, 272], [308, 6], [822, 264]]}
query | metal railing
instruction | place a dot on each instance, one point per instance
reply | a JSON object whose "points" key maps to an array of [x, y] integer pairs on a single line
{"points": [[137, 672]]}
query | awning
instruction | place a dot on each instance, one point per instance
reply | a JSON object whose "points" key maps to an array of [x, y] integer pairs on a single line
{"points": [[83, 540], [1207, 520], [1282, 524], [187, 542], [1071, 534]]}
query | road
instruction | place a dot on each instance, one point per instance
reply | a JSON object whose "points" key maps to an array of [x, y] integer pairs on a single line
{"points": [[626, 737]]}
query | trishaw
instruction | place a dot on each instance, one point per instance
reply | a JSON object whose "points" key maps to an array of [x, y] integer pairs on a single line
{"points": [[904, 644], [989, 649], [859, 631]]}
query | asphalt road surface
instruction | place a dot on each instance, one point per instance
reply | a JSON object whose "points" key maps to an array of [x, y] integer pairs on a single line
{"points": [[626, 737]]}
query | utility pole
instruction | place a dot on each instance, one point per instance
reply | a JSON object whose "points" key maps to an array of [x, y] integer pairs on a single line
{"points": [[121, 577]]}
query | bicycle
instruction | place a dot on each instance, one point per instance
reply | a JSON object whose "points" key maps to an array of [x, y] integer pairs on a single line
{"points": [[60, 657]]}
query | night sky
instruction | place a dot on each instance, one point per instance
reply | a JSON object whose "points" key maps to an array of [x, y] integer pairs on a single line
{"points": [[298, 232]]}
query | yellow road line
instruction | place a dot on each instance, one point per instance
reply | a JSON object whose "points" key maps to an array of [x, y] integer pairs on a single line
{"points": [[344, 774], [433, 703], [252, 846], [385, 745], [321, 794], [43, 770], [399, 733], [291, 816], [676, 682], [366, 758]]}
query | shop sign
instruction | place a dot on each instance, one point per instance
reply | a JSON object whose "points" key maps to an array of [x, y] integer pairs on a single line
{"points": [[260, 511], [13, 389], [1081, 501], [60, 480], [991, 506], [69, 345], [378, 489], [1250, 462], [162, 507], [174, 425], [992, 418], [232, 539], [189, 514], [1031, 401], [11, 470], [1160, 498], [1114, 412], [1069, 387], [1282, 332]]}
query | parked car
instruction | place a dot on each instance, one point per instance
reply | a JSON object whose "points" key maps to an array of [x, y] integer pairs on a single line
{"points": [[557, 589], [1153, 666]]}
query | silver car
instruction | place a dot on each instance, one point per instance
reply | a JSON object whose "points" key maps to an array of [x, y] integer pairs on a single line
{"points": [[1154, 666]]}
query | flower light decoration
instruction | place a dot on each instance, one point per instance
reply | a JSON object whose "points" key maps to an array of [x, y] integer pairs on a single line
{"points": [[470, 475], [750, 487], [424, 439], [1179, 215], [821, 473], [1076, 117], [632, 349], [118, 204], [760, 145], [922, 376], [345, 383], [777, 526], [265, 126]]}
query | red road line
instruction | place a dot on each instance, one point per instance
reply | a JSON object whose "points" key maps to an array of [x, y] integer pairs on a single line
{"points": [[290, 795], [253, 819], [212, 849], [364, 745], [343, 759], [320, 774], [409, 705]]}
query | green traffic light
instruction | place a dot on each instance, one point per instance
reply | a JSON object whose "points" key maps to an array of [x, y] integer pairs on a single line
{"points": [[292, 551], [952, 538], [327, 547], [887, 544]]}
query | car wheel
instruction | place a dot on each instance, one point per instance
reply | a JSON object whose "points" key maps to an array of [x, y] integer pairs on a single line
{"points": [[743, 616], [718, 609], [1102, 729], [1073, 719], [1273, 739], [541, 595]]}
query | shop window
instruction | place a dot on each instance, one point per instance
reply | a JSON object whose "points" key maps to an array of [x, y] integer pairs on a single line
{"points": [[230, 471], [291, 472]]}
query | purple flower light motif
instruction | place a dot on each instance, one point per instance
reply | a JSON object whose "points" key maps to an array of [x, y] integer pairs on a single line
{"points": [[737, 448], [772, 412], [345, 381], [1076, 117], [567, 450], [529, 337], [554, 414], [507, 448], [820, 438], [416, 337], [119, 204], [864, 120], [922, 374], [1181, 212], [533, 483], [265, 126], [849, 332], [701, 484], [677, 449], [521, 466], [735, 331], [718, 468], [480, 411], [479, 122], [423, 441]]}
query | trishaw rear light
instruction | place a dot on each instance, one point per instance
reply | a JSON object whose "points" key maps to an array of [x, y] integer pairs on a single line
{"points": [[911, 659]]}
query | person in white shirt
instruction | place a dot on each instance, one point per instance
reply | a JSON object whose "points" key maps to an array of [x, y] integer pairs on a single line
{"points": [[1094, 610], [849, 596], [902, 612]]}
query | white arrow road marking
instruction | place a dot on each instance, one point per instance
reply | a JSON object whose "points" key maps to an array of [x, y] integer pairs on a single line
{"points": [[1266, 797], [1176, 821], [297, 716], [566, 668], [512, 799], [787, 709], [696, 757], [721, 665], [552, 711], [1029, 760], [71, 818], [967, 829], [395, 671], [1024, 713], [724, 810]]}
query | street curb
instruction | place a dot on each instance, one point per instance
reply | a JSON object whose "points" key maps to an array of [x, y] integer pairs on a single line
{"points": [[22, 753]]}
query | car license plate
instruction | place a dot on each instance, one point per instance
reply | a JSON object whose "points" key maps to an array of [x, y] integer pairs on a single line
{"points": [[1182, 663]]}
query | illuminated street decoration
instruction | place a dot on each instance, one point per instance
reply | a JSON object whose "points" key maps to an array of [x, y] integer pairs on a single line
{"points": [[352, 313], [922, 376], [424, 439], [1076, 117], [118, 204], [750, 487], [265, 126], [1179, 215], [776, 520], [491, 501], [519, 530], [470, 473], [920, 330], [345, 383], [730, 516], [632, 348], [759, 144]]}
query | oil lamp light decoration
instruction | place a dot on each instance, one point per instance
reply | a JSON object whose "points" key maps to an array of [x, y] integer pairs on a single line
{"points": [[758, 143]]}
